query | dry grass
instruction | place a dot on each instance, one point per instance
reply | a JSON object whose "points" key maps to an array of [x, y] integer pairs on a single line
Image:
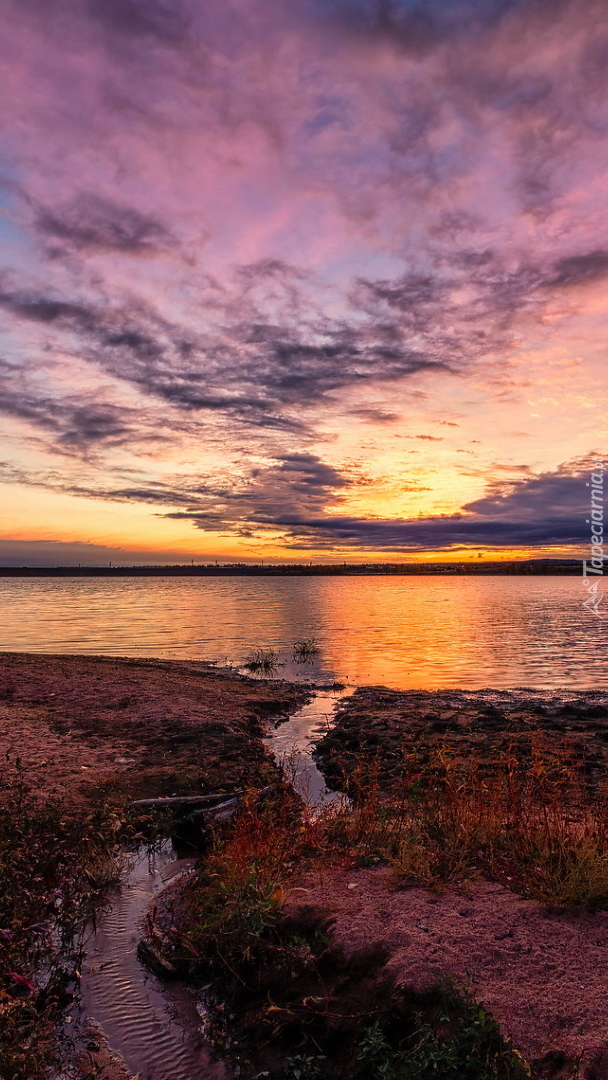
{"points": [[56, 865], [537, 828]]}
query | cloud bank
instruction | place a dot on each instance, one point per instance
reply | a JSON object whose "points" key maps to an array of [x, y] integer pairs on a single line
{"points": [[226, 221]]}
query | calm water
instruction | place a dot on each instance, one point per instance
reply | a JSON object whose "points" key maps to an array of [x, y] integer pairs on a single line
{"points": [[418, 632]]}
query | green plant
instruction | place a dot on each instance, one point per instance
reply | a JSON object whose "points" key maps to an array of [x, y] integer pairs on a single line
{"points": [[303, 1066], [232, 901], [461, 1041]]}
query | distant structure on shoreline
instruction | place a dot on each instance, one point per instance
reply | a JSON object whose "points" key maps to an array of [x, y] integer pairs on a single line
{"points": [[505, 566]]}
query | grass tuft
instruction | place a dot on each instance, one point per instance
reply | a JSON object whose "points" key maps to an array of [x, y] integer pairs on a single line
{"points": [[305, 649], [262, 661]]}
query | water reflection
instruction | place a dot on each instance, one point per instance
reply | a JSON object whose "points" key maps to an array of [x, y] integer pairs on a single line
{"points": [[418, 632]]}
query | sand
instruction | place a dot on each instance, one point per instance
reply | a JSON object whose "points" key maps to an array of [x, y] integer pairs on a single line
{"points": [[140, 727]]}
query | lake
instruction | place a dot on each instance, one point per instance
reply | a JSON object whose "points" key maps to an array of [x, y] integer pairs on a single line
{"points": [[423, 632]]}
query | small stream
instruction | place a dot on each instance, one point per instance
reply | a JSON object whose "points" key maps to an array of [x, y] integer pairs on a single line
{"points": [[158, 1033], [292, 744], [159, 1030]]}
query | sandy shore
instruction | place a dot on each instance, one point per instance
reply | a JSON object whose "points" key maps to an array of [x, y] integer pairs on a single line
{"points": [[141, 727]]}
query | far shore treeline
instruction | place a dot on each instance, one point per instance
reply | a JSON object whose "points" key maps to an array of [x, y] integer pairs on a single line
{"points": [[527, 566]]}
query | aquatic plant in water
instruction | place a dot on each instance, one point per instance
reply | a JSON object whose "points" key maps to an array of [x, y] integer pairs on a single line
{"points": [[305, 650], [262, 661]]}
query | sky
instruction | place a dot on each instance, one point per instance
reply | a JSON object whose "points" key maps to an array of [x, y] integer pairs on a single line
{"points": [[309, 281]]}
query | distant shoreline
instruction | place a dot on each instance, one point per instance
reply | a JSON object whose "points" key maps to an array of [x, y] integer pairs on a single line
{"points": [[531, 566]]}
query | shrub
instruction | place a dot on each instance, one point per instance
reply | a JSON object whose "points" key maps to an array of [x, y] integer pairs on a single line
{"points": [[56, 865]]}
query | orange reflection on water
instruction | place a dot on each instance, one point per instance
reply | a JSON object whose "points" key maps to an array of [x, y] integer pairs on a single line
{"points": [[407, 632]]}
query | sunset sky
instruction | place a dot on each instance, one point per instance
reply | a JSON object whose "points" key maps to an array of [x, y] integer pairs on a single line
{"points": [[301, 279]]}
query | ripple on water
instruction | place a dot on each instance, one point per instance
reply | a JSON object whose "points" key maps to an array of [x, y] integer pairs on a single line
{"points": [[157, 1032]]}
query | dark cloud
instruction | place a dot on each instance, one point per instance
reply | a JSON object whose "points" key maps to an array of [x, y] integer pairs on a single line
{"points": [[44, 309], [159, 495], [413, 31], [45, 553], [90, 223], [414, 28], [408, 535], [313, 475], [145, 19], [581, 269], [431, 533], [373, 414], [539, 510], [253, 371], [267, 374], [76, 425], [562, 493], [296, 483]]}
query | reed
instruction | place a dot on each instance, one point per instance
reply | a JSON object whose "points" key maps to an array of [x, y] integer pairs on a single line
{"points": [[305, 650]]}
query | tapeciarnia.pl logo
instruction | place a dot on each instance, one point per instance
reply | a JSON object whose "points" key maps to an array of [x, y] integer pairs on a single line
{"points": [[596, 521]]}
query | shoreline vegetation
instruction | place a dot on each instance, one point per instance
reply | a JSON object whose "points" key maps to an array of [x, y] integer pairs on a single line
{"points": [[450, 921], [343, 569]]}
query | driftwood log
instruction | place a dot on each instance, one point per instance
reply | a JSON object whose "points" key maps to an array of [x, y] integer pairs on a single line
{"points": [[213, 803], [189, 800], [196, 814]]}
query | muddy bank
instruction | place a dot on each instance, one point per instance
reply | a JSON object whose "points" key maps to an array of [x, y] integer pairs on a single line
{"points": [[402, 730], [137, 727]]}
